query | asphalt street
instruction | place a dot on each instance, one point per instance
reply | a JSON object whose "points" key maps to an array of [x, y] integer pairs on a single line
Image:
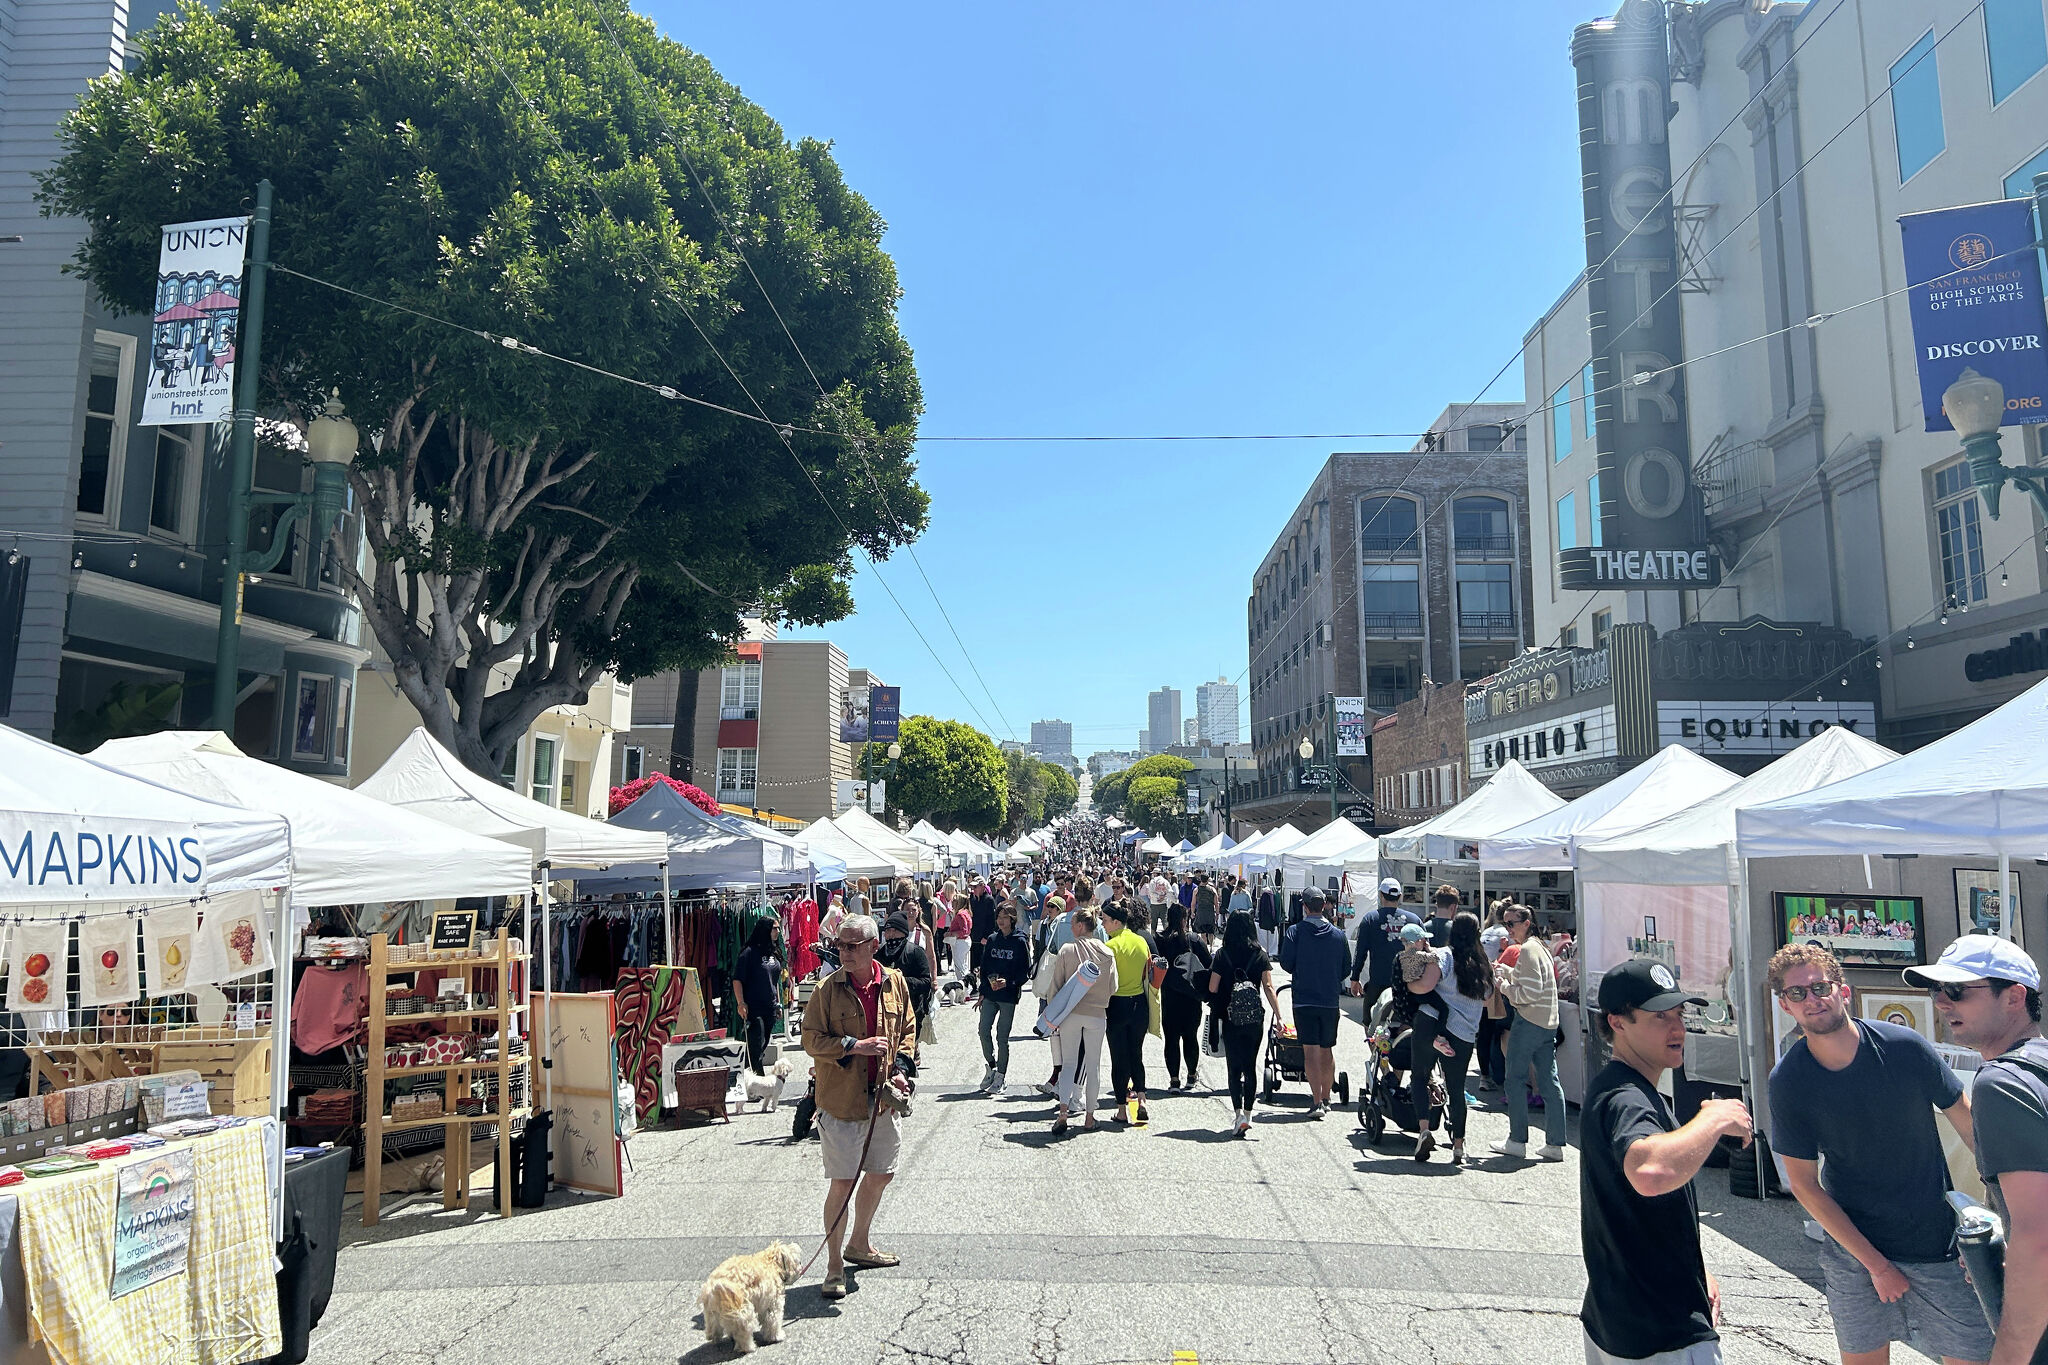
{"points": [[1169, 1243]]}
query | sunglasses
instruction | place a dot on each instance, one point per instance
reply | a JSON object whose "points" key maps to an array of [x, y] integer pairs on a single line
{"points": [[1819, 990], [1956, 990], [850, 943]]}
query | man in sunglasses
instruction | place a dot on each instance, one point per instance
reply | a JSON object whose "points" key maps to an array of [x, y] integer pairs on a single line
{"points": [[1863, 1093], [1988, 992]]}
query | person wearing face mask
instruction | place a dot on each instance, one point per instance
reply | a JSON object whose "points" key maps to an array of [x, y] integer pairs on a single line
{"points": [[901, 954]]}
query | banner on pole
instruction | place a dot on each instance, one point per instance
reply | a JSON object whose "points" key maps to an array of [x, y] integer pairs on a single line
{"points": [[1976, 304], [1351, 727], [853, 715], [197, 326], [885, 713]]}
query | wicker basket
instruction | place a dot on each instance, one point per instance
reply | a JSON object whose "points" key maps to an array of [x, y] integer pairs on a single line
{"points": [[703, 1090]]}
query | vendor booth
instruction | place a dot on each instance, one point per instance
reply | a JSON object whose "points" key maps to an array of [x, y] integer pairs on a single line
{"points": [[1208, 854], [155, 895], [1323, 858], [827, 840], [1671, 781], [872, 833], [1445, 847]]}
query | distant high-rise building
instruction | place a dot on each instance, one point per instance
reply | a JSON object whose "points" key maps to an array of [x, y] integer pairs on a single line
{"points": [[1162, 717], [1190, 731], [1053, 741], [1145, 742], [1216, 712]]}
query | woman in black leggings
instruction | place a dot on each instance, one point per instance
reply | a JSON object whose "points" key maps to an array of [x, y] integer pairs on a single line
{"points": [[1181, 998], [1242, 972], [1458, 981], [757, 988]]}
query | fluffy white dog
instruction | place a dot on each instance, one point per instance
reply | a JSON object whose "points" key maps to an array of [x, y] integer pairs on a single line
{"points": [[768, 1088], [744, 1295]]}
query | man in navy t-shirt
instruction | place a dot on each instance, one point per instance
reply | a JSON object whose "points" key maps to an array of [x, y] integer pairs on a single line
{"points": [[1379, 943], [1863, 1093]]}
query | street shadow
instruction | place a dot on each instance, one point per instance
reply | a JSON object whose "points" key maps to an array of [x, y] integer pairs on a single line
{"points": [[1042, 1138], [1200, 1135]]}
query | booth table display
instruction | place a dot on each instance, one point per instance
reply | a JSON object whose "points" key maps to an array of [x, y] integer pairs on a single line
{"points": [[219, 1308], [458, 1109]]}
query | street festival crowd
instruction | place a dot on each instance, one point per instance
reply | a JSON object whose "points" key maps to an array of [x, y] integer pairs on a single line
{"points": [[1114, 951]]}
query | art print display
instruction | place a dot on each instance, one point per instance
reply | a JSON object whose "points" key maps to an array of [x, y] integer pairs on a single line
{"points": [[106, 960], [231, 942], [1908, 1009], [169, 936], [1980, 906], [1861, 931], [197, 322], [36, 955]]}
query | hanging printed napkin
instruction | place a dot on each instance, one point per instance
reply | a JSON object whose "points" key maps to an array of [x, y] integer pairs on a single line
{"points": [[231, 941], [35, 966], [106, 960], [169, 938]]}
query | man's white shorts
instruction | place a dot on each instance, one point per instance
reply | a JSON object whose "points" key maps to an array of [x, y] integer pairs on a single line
{"points": [[844, 1138]]}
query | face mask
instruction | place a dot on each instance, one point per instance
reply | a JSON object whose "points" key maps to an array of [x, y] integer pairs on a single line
{"points": [[892, 950]]}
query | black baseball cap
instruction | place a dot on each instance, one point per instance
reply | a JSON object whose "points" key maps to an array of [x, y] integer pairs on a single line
{"points": [[1640, 984]]}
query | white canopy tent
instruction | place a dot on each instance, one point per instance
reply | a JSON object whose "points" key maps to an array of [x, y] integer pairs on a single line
{"points": [[1256, 854], [1206, 854], [970, 849], [1673, 779], [1510, 797], [1334, 849], [824, 837], [346, 848], [1025, 847], [874, 834], [1157, 847], [930, 837]]}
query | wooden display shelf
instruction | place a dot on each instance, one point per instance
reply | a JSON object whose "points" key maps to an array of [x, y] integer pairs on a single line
{"points": [[456, 1075]]}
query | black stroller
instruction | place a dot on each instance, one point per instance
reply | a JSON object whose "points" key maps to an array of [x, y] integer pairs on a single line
{"points": [[801, 1123], [1383, 1095]]}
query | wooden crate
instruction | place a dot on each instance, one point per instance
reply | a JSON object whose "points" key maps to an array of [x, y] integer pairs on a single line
{"points": [[236, 1071]]}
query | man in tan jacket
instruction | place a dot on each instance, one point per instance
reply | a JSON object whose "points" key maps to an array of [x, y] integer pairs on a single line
{"points": [[861, 1034], [1530, 985]]}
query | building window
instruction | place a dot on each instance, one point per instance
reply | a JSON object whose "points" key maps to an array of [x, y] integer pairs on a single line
{"points": [[344, 696], [1391, 599], [740, 691], [1387, 528], [1480, 527], [174, 491], [569, 785], [736, 774], [1916, 108], [1603, 626], [1593, 510], [1485, 438], [1958, 534], [312, 714], [543, 785], [508, 772], [2020, 184], [1569, 637], [1567, 523], [106, 424], [1586, 397], [633, 762], [2016, 41], [1561, 423], [1486, 602]]}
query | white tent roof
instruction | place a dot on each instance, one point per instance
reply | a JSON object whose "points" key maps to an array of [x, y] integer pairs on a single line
{"points": [[1696, 846], [931, 836], [1510, 797], [1672, 780], [1203, 854], [94, 832], [969, 847], [1337, 844], [1155, 844], [867, 830], [1980, 791], [1026, 846], [1255, 852], [346, 848], [424, 778], [824, 838]]}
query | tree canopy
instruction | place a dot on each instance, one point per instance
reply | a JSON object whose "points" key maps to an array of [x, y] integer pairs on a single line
{"points": [[950, 773], [1039, 791], [558, 175], [1112, 795]]}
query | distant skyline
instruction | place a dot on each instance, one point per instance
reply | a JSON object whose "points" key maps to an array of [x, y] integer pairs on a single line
{"points": [[1148, 220]]}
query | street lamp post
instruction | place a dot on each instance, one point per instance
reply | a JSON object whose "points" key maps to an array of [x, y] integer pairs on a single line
{"points": [[1975, 404]]}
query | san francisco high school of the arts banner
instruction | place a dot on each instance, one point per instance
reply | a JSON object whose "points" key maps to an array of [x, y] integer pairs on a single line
{"points": [[197, 323]]}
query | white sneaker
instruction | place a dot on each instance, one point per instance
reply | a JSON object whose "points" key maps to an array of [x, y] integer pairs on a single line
{"points": [[1236, 1120], [1550, 1152], [1510, 1148], [1244, 1124]]}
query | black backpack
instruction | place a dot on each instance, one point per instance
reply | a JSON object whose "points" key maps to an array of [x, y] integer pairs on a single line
{"points": [[1244, 1009]]}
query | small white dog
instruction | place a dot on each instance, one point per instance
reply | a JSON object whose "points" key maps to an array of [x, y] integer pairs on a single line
{"points": [[744, 1295], [768, 1088]]}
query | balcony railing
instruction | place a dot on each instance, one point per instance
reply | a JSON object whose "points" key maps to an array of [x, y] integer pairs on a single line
{"points": [[1386, 700], [1391, 625], [737, 796], [1486, 625], [1726, 475], [1486, 547], [1407, 546]]}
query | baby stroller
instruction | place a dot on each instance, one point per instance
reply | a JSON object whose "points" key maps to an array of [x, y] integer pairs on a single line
{"points": [[1284, 1060], [1383, 1095]]}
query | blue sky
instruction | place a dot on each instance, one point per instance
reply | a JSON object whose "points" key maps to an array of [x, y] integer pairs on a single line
{"points": [[1151, 218]]}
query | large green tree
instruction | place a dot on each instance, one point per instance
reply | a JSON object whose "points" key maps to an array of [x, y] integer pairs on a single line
{"points": [[1061, 791], [550, 173], [1112, 795], [950, 773]]}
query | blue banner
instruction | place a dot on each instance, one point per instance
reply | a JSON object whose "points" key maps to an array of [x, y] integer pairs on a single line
{"points": [[1976, 304], [885, 713]]}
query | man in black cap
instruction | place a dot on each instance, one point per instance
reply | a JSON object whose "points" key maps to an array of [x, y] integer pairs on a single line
{"points": [[1649, 1297]]}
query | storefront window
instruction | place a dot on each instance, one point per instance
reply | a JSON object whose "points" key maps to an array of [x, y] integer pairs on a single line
{"points": [[312, 713], [543, 787], [1959, 534]]}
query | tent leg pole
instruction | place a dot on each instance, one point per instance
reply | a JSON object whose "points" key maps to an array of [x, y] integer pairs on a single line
{"points": [[547, 1034], [668, 922], [1739, 994], [2006, 912], [280, 1052]]}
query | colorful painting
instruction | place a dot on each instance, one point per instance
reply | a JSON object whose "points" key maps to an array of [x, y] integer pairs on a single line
{"points": [[1861, 931]]}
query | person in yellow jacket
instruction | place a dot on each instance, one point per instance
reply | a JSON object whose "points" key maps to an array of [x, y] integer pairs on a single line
{"points": [[1130, 1011], [861, 1034]]}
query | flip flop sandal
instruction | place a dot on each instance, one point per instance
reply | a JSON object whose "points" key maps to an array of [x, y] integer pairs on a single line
{"points": [[833, 1288], [874, 1260]]}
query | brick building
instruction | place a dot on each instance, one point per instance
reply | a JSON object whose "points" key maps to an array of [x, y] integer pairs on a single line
{"points": [[1418, 757], [1397, 569]]}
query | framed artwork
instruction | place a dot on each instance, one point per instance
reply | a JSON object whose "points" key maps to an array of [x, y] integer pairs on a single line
{"points": [[1979, 907], [1912, 1009], [1861, 931]]}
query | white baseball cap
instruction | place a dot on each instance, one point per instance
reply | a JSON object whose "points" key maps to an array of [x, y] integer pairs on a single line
{"points": [[1975, 957], [1390, 886]]}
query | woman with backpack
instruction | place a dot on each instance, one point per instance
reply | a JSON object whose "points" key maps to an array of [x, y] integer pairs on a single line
{"points": [[1459, 979], [1240, 973], [1188, 962]]}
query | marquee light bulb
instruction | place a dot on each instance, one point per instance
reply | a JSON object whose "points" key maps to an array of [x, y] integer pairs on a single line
{"points": [[1909, 642]]}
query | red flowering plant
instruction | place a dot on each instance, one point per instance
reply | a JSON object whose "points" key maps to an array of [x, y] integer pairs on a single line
{"points": [[625, 796]]}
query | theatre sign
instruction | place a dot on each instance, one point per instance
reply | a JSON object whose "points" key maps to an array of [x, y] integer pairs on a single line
{"points": [[1738, 692]]}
